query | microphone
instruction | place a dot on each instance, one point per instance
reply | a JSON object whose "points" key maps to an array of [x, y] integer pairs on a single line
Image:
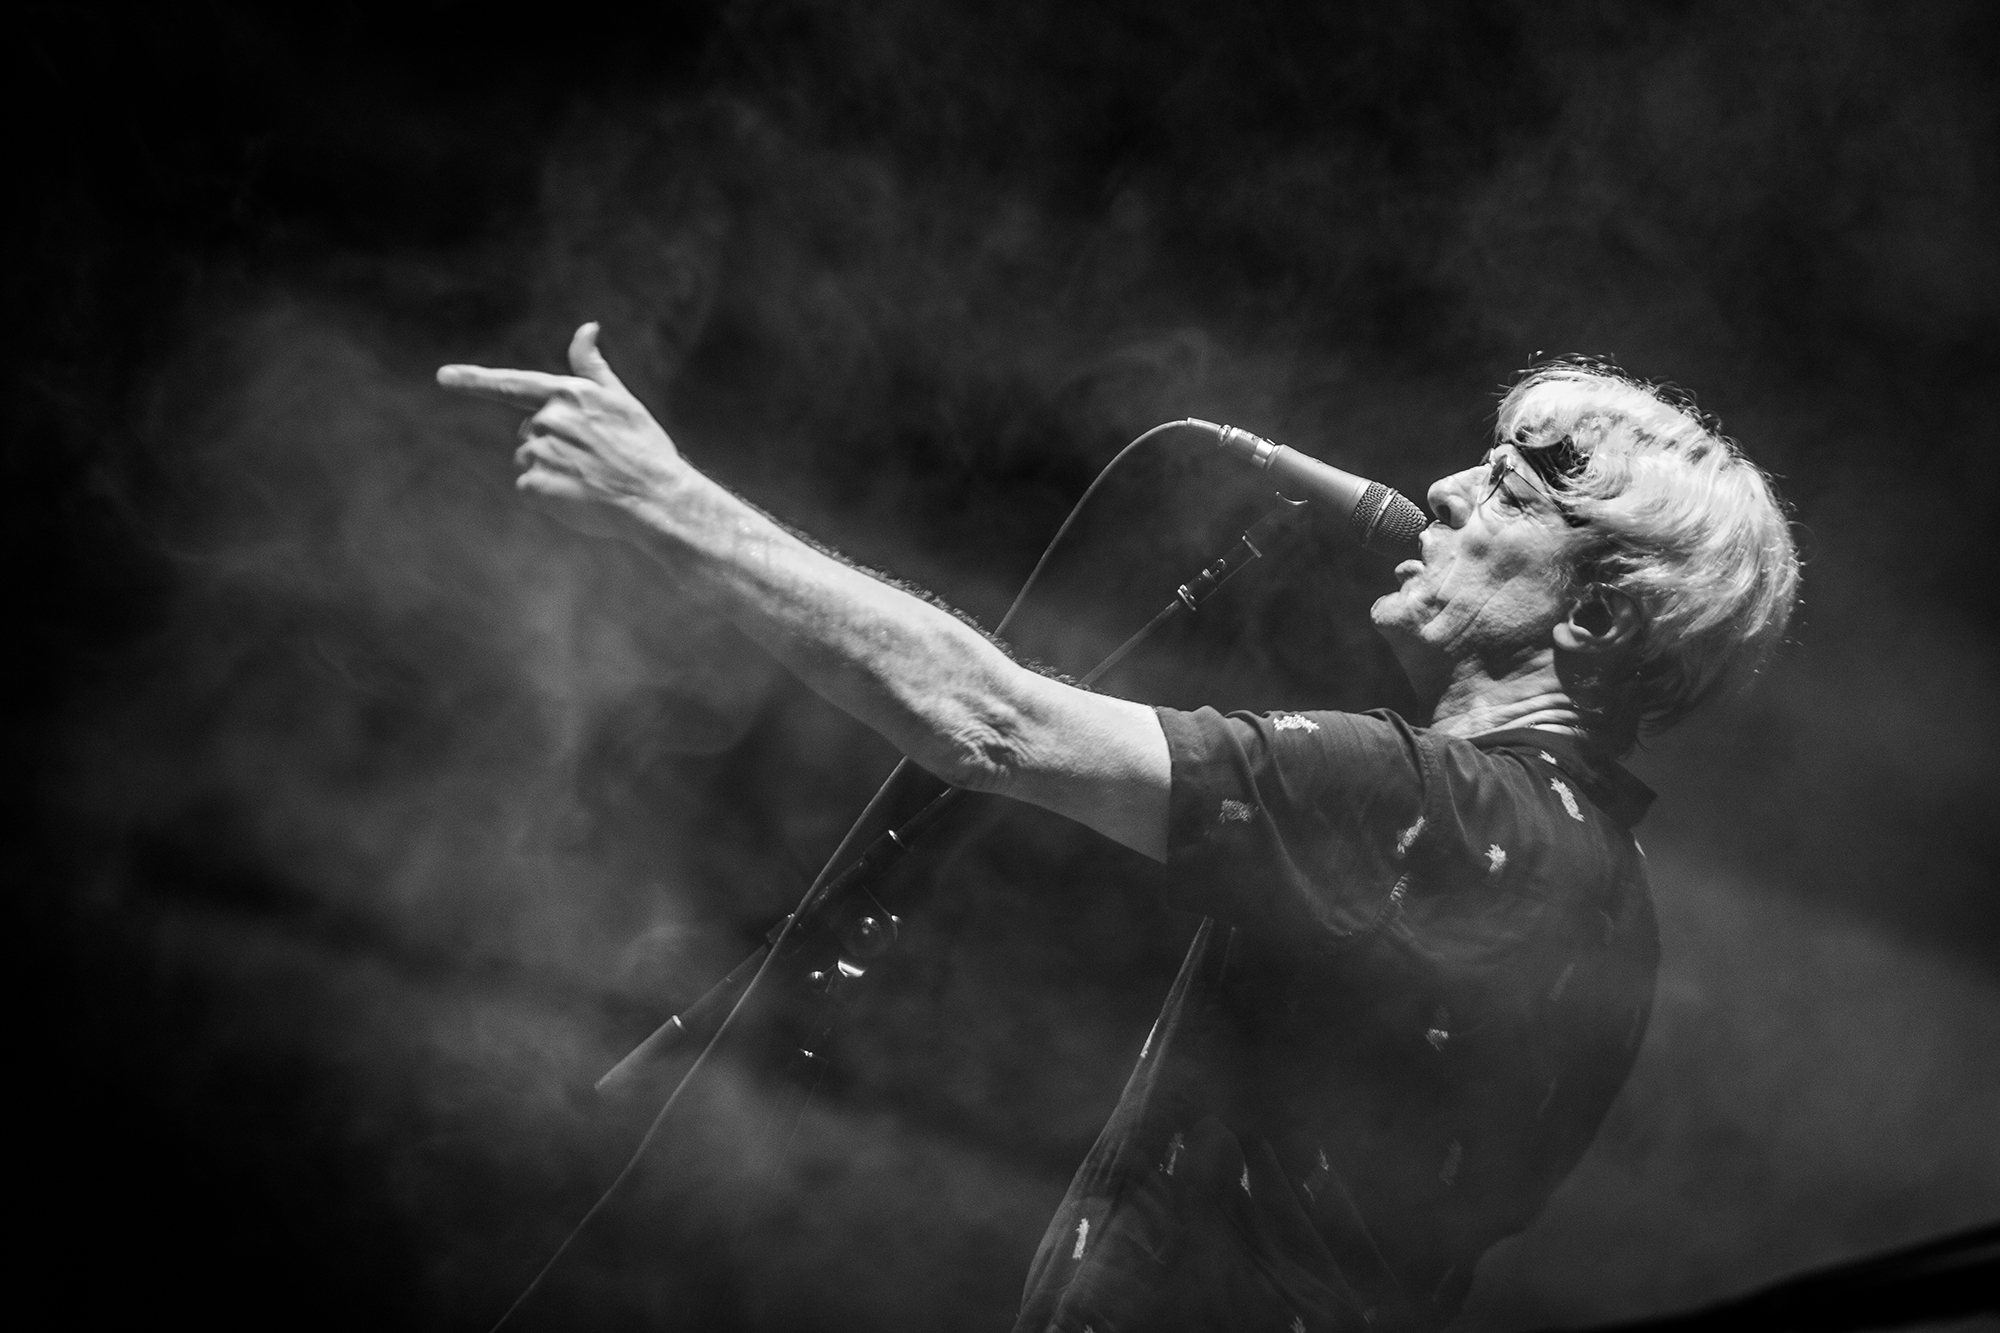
{"points": [[1376, 517]]}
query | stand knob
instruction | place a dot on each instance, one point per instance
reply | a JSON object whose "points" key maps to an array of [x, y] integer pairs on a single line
{"points": [[870, 936]]}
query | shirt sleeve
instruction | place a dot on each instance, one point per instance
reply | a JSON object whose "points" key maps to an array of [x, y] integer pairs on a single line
{"points": [[1291, 818]]}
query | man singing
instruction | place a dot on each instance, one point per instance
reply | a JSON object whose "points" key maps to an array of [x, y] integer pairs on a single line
{"points": [[1430, 950]]}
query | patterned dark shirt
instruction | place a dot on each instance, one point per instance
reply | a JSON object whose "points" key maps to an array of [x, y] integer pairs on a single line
{"points": [[1425, 968]]}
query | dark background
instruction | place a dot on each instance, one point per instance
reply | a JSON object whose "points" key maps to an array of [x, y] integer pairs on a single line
{"points": [[371, 815]]}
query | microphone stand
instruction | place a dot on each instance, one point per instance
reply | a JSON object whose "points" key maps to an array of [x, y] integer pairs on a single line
{"points": [[841, 927]]}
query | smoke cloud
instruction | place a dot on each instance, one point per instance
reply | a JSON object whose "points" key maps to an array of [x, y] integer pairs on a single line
{"points": [[382, 814]]}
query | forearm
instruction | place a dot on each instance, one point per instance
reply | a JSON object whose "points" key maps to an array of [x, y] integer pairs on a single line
{"points": [[928, 682]]}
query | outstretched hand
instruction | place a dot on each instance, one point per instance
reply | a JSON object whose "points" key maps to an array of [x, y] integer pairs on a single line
{"points": [[590, 449]]}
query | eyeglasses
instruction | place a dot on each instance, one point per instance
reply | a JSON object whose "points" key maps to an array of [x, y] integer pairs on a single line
{"points": [[1522, 490], [1501, 477]]}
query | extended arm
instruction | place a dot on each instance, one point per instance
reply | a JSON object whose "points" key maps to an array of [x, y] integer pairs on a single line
{"points": [[928, 682]]}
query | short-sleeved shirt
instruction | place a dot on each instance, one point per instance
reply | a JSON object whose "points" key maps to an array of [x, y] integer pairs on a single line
{"points": [[1425, 967]]}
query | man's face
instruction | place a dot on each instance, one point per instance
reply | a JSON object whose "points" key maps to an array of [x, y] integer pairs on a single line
{"points": [[1487, 591]]}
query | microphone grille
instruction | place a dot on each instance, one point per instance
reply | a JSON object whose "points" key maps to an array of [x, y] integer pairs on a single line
{"points": [[1386, 521]]}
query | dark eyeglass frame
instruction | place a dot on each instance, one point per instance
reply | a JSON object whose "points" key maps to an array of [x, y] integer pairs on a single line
{"points": [[1501, 467]]}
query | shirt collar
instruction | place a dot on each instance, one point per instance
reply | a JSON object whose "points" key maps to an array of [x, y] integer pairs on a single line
{"points": [[1603, 779]]}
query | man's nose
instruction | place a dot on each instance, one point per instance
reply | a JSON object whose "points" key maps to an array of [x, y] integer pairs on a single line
{"points": [[1450, 498]]}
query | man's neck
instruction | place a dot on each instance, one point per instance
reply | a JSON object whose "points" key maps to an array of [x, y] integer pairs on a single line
{"points": [[1529, 694]]}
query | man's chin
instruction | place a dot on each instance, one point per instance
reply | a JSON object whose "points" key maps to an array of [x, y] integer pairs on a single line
{"points": [[1418, 659]]}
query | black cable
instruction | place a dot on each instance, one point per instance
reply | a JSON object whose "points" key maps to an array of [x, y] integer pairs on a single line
{"points": [[1076, 510], [841, 855], [857, 832]]}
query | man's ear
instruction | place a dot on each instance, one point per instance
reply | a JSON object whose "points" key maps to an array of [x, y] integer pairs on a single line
{"points": [[1601, 619]]}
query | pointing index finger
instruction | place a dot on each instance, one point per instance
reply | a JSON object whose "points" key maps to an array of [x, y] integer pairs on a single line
{"points": [[522, 388]]}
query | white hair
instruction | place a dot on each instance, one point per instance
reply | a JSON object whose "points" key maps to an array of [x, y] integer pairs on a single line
{"points": [[1669, 511]]}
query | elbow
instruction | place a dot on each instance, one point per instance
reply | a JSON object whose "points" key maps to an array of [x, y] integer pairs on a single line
{"points": [[980, 755], [978, 726]]}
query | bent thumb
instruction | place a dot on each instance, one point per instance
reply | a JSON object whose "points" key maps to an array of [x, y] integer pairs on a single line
{"points": [[587, 361]]}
